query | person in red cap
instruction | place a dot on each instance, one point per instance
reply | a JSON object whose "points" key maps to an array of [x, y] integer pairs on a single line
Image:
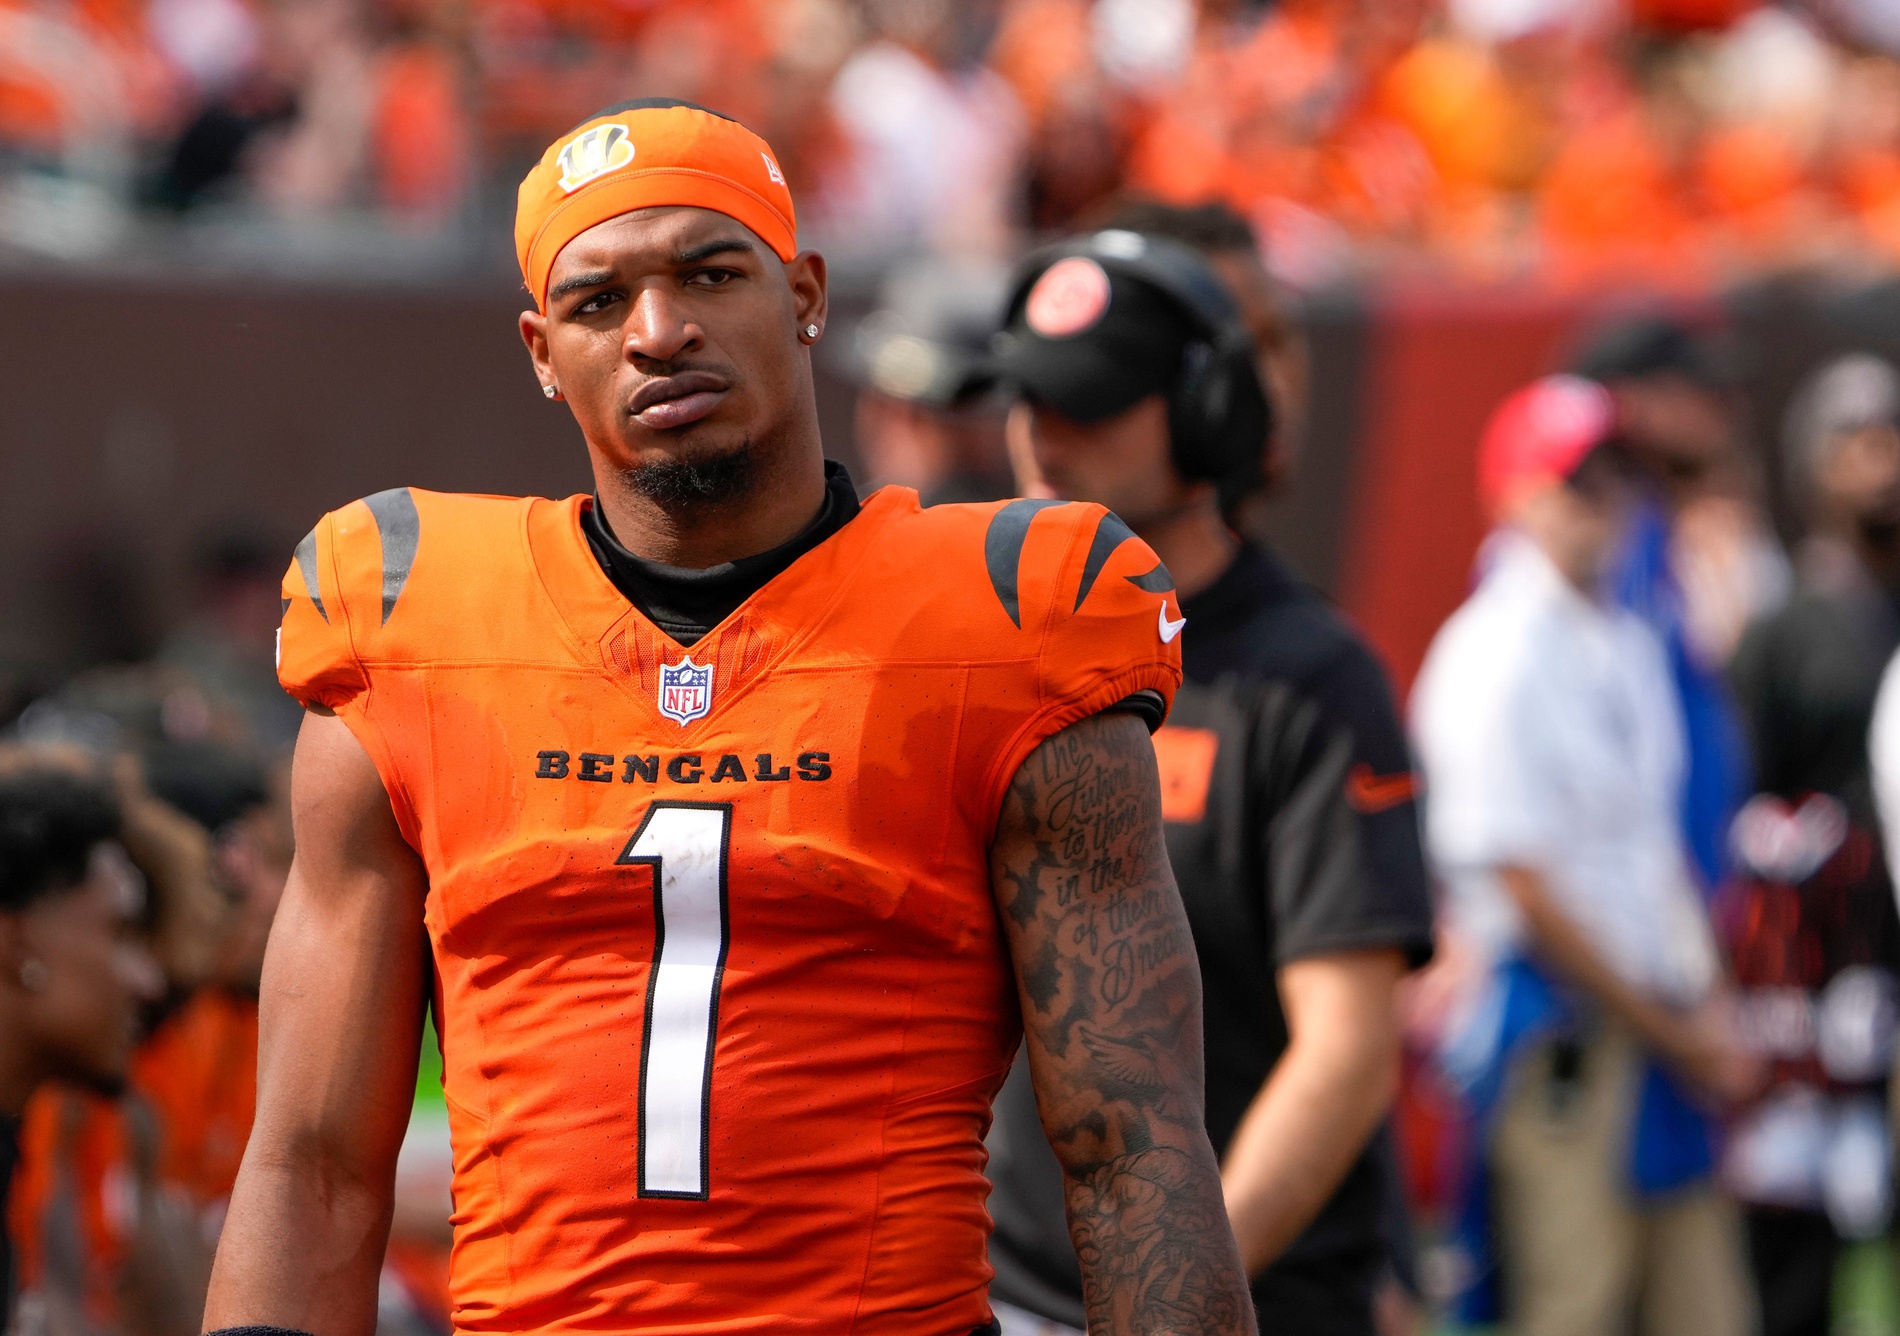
{"points": [[1598, 1032], [733, 830]]}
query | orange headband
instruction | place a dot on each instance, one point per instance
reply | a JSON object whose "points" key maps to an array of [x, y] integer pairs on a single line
{"points": [[643, 154]]}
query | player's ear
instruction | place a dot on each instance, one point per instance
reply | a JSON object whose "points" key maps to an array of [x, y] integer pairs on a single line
{"points": [[805, 272], [534, 333]]}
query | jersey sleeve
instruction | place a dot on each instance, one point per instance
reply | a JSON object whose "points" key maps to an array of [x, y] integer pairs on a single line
{"points": [[1106, 617], [316, 660], [344, 582]]}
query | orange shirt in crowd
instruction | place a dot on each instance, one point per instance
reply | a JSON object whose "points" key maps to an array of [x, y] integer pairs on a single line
{"points": [[1752, 183], [419, 132], [1041, 48], [1868, 180], [1612, 205], [81, 1165], [199, 1074], [1454, 97]]}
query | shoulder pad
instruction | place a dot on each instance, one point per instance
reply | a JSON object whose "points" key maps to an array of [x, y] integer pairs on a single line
{"points": [[1056, 572]]}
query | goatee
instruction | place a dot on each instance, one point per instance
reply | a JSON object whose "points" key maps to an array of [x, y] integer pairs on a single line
{"points": [[696, 481]]}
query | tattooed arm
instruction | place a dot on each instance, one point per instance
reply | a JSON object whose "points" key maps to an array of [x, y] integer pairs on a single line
{"points": [[1111, 998]]}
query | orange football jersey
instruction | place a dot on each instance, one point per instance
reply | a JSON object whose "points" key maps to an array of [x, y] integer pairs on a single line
{"points": [[721, 989]]}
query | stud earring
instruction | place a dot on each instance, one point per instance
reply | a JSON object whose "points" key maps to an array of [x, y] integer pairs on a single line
{"points": [[811, 331], [549, 390], [33, 975]]}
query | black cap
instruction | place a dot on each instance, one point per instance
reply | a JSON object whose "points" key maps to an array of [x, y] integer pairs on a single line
{"points": [[1090, 343], [1651, 345]]}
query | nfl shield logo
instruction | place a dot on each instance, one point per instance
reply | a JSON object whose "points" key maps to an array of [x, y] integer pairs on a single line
{"points": [[685, 690]]}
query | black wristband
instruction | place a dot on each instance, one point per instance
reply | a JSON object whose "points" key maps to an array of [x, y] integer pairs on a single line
{"points": [[257, 1331]]}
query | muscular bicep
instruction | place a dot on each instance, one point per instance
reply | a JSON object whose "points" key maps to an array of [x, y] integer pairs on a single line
{"points": [[341, 1010], [1106, 970]]}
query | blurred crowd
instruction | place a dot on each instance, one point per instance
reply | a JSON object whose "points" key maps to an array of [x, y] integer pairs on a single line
{"points": [[1678, 142], [147, 805]]}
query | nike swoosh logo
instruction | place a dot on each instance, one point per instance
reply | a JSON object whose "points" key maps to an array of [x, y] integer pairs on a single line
{"points": [[1370, 794], [1169, 630]]}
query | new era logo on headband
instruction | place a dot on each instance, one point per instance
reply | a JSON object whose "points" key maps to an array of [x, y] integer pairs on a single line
{"points": [[593, 153], [771, 170]]}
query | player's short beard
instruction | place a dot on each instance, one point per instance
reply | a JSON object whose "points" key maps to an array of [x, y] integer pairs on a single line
{"points": [[702, 481]]}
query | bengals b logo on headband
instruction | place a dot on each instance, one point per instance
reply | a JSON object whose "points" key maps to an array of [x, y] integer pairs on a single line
{"points": [[593, 153]]}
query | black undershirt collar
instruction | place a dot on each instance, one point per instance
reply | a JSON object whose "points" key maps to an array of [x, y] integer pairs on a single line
{"points": [[685, 603]]}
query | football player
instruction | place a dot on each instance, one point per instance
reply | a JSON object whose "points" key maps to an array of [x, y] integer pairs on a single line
{"points": [[729, 825]]}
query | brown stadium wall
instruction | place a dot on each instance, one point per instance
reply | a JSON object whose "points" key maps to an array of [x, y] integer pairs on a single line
{"points": [[1435, 366]]}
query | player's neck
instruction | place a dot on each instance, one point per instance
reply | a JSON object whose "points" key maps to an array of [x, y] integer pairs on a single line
{"points": [[782, 498], [1193, 542]]}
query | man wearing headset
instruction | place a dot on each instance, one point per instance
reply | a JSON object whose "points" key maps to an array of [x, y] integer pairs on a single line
{"points": [[1286, 781]]}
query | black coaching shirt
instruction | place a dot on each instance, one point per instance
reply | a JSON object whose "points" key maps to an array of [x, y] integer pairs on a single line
{"points": [[1287, 788]]}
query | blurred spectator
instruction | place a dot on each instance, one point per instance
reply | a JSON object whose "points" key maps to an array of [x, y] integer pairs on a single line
{"points": [[212, 147], [924, 416], [1613, 201], [118, 1200], [1077, 133], [184, 915], [76, 975], [1696, 562], [244, 808], [1550, 741], [1812, 922], [226, 645], [1807, 673], [933, 139], [419, 142]]}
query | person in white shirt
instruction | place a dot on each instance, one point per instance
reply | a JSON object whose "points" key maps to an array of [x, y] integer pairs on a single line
{"points": [[1551, 747]]}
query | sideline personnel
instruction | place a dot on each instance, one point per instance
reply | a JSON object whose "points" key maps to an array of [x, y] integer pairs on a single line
{"points": [[1549, 735], [1286, 788], [739, 823]]}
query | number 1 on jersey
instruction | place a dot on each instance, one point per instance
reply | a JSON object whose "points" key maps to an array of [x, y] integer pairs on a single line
{"points": [[686, 845]]}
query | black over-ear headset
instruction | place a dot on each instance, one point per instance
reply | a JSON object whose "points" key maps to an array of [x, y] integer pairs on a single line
{"points": [[1218, 412]]}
